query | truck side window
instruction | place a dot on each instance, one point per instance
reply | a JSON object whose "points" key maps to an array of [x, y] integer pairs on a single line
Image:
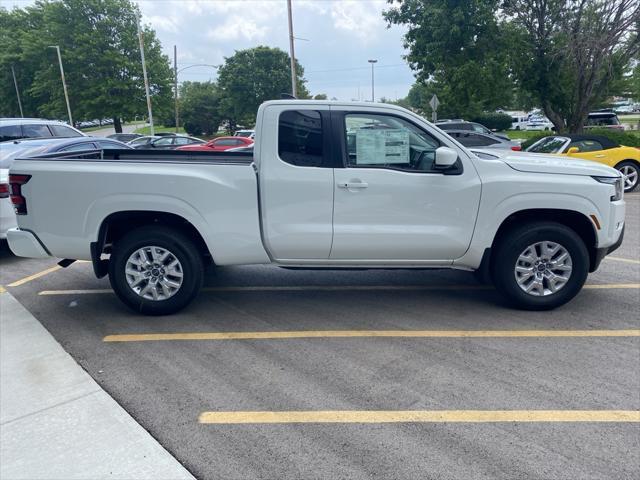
{"points": [[385, 141], [300, 138]]}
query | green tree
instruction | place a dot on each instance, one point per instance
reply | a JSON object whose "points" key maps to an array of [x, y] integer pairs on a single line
{"points": [[200, 107], [252, 76], [320, 96], [457, 48], [100, 51], [571, 54]]}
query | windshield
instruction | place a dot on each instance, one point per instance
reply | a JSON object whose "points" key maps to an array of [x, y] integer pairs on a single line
{"points": [[595, 120], [548, 145]]}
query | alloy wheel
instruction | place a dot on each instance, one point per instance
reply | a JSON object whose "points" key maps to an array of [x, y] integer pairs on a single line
{"points": [[630, 177], [154, 273], [543, 268]]}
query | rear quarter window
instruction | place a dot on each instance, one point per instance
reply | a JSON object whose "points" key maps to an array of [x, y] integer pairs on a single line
{"points": [[300, 138]]}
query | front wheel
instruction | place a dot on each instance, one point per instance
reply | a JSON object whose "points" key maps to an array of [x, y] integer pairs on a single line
{"points": [[540, 266], [155, 270], [630, 173]]}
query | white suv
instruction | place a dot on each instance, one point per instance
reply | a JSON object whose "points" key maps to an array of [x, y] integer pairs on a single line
{"points": [[17, 128]]}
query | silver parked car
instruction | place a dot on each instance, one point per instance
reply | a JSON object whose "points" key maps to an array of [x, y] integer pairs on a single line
{"points": [[18, 128]]}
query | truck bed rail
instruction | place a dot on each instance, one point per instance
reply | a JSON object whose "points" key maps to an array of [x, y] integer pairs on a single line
{"points": [[148, 156]]}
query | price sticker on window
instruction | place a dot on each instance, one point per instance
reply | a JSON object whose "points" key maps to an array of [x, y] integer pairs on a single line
{"points": [[376, 146]]}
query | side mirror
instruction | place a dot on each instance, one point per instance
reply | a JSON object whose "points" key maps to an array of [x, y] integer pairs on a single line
{"points": [[573, 150], [445, 157]]}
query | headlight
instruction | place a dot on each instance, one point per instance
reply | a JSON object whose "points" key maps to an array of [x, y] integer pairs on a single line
{"points": [[616, 182]]}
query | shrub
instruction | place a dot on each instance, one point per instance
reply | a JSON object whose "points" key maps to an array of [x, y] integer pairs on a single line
{"points": [[494, 121]]}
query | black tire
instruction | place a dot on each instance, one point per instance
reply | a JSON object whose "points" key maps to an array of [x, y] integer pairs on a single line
{"points": [[180, 246], [633, 165], [514, 242]]}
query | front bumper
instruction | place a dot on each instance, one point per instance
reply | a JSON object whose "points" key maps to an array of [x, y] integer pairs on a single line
{"points": [[603, 252], [24, 243]]}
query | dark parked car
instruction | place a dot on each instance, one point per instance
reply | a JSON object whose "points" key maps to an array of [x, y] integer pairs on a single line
{"points": [[12, 150], [17, 128], [124, 137], [173, 141], [447, 125], [483, 140]]}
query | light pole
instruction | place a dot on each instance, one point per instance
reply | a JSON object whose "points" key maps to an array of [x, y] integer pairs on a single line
{"points": [[15, 83], [372, 62], [64, 83], [146, 80], [292, 55], [175, 79]]}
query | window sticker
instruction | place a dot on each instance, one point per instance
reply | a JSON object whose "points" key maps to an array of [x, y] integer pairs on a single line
{"points": [[375, 146]]}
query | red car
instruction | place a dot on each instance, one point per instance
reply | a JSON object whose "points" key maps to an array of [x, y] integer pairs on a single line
{"points": [[219, 144]]}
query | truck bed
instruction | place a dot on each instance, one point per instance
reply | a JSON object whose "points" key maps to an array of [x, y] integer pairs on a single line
{"points": [[70, 195]]}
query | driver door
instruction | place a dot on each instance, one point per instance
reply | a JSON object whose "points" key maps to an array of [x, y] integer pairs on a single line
{"points": [[391, 205]]}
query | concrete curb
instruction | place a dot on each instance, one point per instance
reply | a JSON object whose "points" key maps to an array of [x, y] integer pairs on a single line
{"points": [[55, 420]]}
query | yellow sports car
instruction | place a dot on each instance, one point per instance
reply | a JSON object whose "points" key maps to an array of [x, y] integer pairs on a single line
{"points": [[597, 148]]}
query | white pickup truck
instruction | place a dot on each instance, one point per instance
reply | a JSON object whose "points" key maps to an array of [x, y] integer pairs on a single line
{"points": [[329, 185]]}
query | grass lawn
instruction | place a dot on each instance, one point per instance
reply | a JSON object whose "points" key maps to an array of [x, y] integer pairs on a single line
{"points": [[525, 134], [158, 128], [633, 118]]}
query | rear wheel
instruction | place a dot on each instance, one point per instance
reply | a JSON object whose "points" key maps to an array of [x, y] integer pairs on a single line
{"points": [[540, 266], [630, 173], [155, 270]]}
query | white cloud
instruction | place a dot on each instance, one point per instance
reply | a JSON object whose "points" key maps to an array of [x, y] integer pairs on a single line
{"points": [[236, 27], [162, 23], [358, 18]]}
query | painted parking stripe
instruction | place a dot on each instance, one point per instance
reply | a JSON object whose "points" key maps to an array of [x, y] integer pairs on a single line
{"points": [[332, 288], [420, 416], [35, 276], [625, 260], [158, 337], [2, 289]]}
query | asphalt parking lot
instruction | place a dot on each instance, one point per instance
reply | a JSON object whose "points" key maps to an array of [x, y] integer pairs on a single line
{"points": [[338, 392]]}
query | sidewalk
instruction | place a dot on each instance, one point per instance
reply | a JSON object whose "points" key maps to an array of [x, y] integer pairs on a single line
{"points": [[55, 420]]}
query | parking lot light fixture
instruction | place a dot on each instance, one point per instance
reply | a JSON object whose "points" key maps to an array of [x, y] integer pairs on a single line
{"points": [[372, 62]]}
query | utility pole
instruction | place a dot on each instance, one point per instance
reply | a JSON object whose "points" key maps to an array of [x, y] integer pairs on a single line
{"points": [[15, 82], [64, 83], [175, 76], [144, 74], [292, 54], [372, 62]]}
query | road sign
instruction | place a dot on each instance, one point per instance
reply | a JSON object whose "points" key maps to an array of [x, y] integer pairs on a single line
{"points": [[434, 102]]}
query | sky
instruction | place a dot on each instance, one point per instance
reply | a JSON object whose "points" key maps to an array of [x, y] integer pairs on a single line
{"points": [[336, 38]]}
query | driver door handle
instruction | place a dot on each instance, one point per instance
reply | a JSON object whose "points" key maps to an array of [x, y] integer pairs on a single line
{"points": [[349, 185]]}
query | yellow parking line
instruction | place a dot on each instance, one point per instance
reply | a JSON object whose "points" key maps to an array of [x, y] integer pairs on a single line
{"points": [[417, 416], [76, 292], [155, 337], [612, 286], [332, 288], [35, 276], [2, 289], [626, 260]]}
